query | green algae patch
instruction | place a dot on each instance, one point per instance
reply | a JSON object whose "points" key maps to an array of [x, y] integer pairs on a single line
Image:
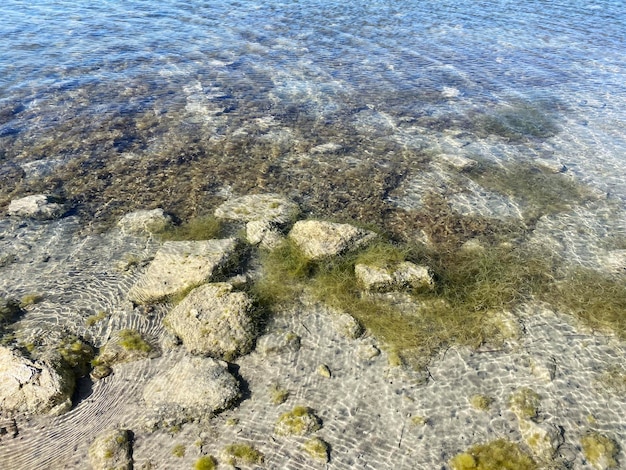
{"points": [[524, 402], [132, 340], [278, 394], [242, 454], [285, 269], [538, 190], [77, 354], [317, 449], [206, 462], [600, 451], [596, 299], [481, 402], [30, 299], [496, 455], [614, 379], [198, 228], [96, 318], [179, 450], [517, 122], [300, 421]]}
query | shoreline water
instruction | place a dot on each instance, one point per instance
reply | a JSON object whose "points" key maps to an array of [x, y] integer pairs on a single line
{"points": [[441, 123]]}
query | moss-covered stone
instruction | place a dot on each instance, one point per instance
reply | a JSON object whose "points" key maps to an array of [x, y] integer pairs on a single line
{"points": [[242, 454], [300, 421], [600, 450], [206, 462], [496, 455], [481, 402], [317, 449], [524, 402]]}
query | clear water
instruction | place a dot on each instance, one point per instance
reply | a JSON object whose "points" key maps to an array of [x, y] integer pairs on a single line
{"points": [[347, 107], [128, 90]]}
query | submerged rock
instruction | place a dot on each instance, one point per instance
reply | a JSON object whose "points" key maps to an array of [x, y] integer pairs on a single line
{"points": [[264, 233], [403, 275], [124, 346], [194, 387], [278, 342], [144, 221], [300, 421], [320, 239], [272, 208], [179, 265], [37, 206], [34, 387], [111, 451], [214, 321]]}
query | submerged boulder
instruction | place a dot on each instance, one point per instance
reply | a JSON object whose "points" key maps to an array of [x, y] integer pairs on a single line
{"points": [[37, 206], [320, 239], [194, 386], [111, 451], [179, 265], [272, 208], [403, 275], [214, 321], [34, 387], [144, 221]]}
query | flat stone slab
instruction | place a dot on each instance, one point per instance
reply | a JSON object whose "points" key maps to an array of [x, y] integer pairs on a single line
{"points": [[198, 385], [33, 387], [144, 221], [37, 206], [404, 275], [180, 265], [111, 450], [214, 321], [272, 208], [319, 239]]}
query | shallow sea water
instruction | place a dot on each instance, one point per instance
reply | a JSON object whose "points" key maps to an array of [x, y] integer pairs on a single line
{"points": [[349, 108]]}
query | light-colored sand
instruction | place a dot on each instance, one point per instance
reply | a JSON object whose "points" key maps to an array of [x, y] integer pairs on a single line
{"points": [[372, 413]]}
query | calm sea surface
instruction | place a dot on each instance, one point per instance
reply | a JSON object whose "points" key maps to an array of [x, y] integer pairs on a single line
{"points": [[117, 104]]}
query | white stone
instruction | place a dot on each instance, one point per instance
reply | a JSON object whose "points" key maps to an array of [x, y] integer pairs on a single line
{"points": [[266, 207], [264, 233], [320, 239], [413, 276], [37, 206], [405, 274], [346, 325], [33, 387], [144, 221], [111, 451], [278, 342], [214, 321], [180, 265], [374, 278], [198, 385]]}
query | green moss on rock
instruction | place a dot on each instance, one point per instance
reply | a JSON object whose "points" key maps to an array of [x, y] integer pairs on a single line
{"points": [[300, 421], [496, 455], [600, 451], [242, 454], [317, 449]]}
